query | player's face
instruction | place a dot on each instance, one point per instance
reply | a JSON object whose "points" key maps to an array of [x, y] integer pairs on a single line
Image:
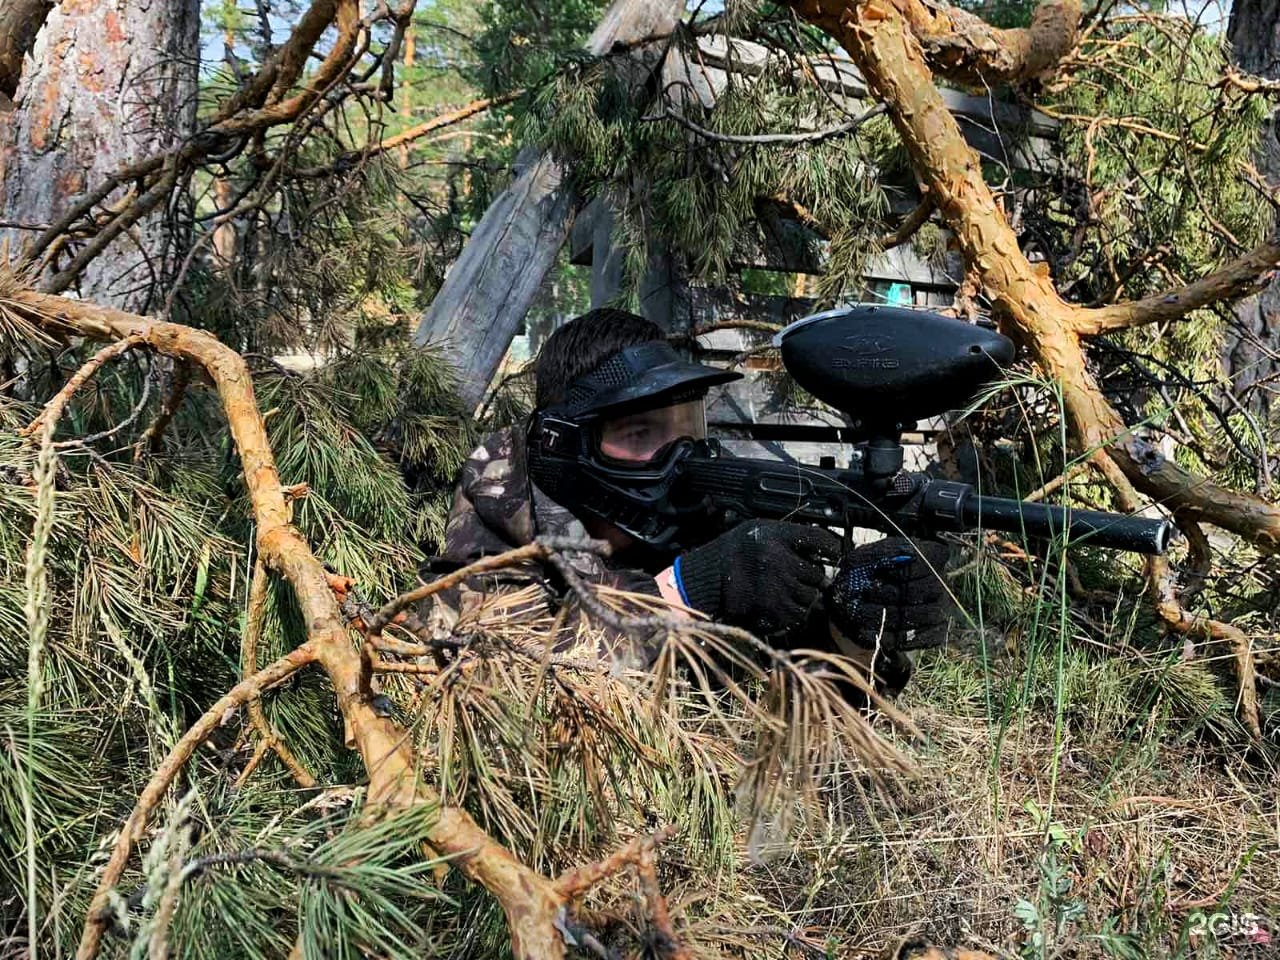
{"points": [[639, 437]]}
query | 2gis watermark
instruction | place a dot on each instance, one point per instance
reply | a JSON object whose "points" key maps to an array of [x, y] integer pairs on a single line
{"points": [[1228, 926]]}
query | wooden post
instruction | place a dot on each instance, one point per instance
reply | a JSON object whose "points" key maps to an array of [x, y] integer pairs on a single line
{"points": [[489, 289]]}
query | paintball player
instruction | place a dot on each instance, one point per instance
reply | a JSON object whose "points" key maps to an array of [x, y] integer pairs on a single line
{"points": [[612, 395]]}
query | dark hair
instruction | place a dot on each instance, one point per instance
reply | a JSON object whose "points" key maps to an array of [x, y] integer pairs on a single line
{"points": [[583, 344]]}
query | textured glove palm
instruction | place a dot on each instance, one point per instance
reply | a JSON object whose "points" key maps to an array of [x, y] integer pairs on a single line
{"points": [[889, 594], [766, 576]]}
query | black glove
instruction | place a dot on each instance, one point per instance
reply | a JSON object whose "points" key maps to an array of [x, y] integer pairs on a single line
{"points": [[889, 594], [766, 576]]}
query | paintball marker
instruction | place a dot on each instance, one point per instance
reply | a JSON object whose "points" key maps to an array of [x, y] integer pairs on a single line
{"points": [[885, 368]]}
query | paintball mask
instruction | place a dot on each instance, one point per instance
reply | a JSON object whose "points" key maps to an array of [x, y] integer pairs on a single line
{"points": [[612, 446]]}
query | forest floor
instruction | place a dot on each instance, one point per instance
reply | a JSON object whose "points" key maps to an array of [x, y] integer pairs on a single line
{"points": [[1067, 806]]}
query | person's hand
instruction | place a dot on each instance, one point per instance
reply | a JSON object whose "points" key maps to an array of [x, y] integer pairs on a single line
{"points": [[766, 576], [889, 594]]}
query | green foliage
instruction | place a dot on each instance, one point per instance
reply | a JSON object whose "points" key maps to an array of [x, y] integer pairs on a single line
{"points": [[522, 44], [1159, 144], [701, 197], [1062, 710]]}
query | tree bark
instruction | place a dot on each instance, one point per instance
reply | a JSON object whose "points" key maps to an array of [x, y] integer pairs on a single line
{"points": [[110, 83], [878, 37], [1250, 354], [489, 289], [20, 21]]}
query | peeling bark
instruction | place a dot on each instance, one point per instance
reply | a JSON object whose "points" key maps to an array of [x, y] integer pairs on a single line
{"points": [[961, 46], [109, 84], [877, 36]]}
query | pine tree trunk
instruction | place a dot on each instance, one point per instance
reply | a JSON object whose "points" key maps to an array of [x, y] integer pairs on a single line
{"points": [[111, 82], [1254, 34]]}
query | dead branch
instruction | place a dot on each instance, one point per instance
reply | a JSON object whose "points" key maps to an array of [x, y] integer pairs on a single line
{"points": [[443, 120], [910, 224], [770, 139], [532, 551], [402, 139], [647, 871], [49, 416], [1239, 278], [798, 211], [282, 68], [249, 666], [1181, 621], [1061, 479], [574, 883]]}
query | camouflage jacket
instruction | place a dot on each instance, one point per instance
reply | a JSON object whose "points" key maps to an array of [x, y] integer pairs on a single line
{"points": [[496, 507]]}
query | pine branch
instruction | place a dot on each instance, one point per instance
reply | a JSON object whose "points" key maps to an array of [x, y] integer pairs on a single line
{"points": [[249, 660], [769, 139], [100, 909]]}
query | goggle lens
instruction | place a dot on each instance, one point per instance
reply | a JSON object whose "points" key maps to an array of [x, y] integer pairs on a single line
{"points": [[640, 437]]}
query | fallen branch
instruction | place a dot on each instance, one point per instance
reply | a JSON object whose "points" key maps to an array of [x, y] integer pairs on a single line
{"points": [[249, 665], [532, 903], [961, 46], [99, 908]]}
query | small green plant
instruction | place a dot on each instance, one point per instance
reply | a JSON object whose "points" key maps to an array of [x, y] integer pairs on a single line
{"points": [[1048, 922]]}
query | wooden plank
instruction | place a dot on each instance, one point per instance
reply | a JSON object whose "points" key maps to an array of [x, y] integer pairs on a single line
{"points": [[709, 305], [490, 287], [753, 400], [778, 244], [902, 264]]}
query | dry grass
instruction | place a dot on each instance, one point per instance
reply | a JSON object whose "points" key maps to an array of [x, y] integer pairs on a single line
{"points": [[1056, 807]]}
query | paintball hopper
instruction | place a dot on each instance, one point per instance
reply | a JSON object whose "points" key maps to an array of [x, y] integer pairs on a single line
{"points": [[891, 366]]}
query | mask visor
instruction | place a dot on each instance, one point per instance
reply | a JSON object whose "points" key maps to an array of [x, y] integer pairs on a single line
{"points": [[641, 437]]}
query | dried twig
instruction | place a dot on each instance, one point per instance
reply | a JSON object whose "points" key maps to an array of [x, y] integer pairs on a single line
{"points": [[48, 417]]}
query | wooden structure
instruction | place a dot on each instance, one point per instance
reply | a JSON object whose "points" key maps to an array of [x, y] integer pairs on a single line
{"points": [[488, 291], [746, 413]]}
